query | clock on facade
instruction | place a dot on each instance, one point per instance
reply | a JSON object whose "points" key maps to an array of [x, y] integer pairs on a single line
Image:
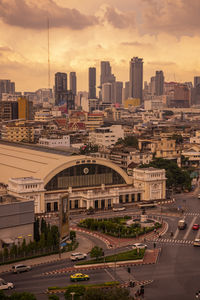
{"points": [[85, 170]]}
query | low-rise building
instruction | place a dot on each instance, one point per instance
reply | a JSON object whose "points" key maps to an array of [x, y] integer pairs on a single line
{"points": [[106, 136], [152, 181], [16, 220], [55, 141], [18, 132]]}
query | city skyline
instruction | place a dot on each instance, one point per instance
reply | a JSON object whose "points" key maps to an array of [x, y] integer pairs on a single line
{"points": [[163, 33]]}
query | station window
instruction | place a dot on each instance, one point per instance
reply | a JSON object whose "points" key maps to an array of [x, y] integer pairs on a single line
{"points": [[120, 199], [55, 206], [76, 203], [133, 197], [127, 198], [48, 207]]}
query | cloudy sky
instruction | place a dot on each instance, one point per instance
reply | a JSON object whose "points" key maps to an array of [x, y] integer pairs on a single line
{"points": [[166, 33]]}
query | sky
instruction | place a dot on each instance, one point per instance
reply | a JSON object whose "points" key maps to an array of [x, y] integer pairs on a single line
{"points": [[165, 33]]}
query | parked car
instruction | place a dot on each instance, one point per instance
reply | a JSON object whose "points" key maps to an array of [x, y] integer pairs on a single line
{"points": [[78, 256], [139, 246], [5, 285], [119, 208], [196, 242], [79, 277], [20, 268], [195, 227]]}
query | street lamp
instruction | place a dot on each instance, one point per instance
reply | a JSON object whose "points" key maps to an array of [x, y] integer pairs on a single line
{"points": [[72, 293]]}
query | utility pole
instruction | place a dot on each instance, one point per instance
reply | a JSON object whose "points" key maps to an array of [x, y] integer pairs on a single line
{"points": [[48, 52]]}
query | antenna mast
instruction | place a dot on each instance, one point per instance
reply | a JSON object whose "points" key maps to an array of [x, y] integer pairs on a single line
{"points": [[48, 53]]}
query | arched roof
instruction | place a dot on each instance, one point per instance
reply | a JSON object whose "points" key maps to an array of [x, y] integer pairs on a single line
{"points": [[18, 162]]}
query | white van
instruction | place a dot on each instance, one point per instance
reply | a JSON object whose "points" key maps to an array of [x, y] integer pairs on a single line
{"points": [[196, 242], [182, 224], [5, 285]]}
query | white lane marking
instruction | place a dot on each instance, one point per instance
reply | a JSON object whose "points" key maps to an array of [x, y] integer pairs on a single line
{"points": [[112, 277], [176, 233], [189, 228]]}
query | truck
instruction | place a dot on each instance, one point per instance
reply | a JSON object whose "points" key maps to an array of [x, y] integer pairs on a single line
{"points": [[182, 224]]}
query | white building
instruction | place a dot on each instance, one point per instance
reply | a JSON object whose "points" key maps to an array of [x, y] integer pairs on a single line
{"points": [[29, 188], [152, 181], [106, 136], [54, 141]]}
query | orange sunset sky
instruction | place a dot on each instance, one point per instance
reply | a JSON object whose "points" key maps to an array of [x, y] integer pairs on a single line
{"points": [[84, 32]]}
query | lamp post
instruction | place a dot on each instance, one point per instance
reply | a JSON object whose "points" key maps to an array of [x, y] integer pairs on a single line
{"points": [[72, 293]]}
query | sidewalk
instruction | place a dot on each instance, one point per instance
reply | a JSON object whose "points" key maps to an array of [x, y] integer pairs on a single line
{"points": [[85, 245]]}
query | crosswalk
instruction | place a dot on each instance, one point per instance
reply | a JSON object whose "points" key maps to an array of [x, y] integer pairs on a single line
{"points": [[192, 214], [173, 241]]}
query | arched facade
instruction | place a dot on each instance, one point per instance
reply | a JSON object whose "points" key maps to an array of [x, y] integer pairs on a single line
{"points": [[87, 172]]}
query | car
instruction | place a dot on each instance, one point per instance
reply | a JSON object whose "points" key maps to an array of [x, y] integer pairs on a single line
{"points": [[195, 227], [5, 285], [119, 208], [196, 242], [139, 246], [198, 196], [78, 256], [20, 268], [79, 277]]}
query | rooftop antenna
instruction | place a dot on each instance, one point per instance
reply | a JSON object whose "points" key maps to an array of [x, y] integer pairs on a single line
{"points": [[48, 53]]}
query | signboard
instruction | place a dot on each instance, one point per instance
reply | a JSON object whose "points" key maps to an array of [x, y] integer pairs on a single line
{"points": [[64, 217]]}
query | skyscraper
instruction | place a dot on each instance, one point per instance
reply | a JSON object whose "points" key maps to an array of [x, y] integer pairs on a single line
{"points": [[117, 92], [136, 78], [6, 86], [72, 79], [196, 81], [92, 83], [60, 87], [106, 73], [159, 83]]}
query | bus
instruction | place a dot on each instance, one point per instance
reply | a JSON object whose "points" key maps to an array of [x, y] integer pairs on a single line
{"points": [[147, 205]]}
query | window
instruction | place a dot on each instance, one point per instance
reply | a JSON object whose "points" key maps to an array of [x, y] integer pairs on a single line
{"points": [[109, 203], [96, 204], [70, 204], [55, 206], [139, 197], [127, 198], [48, 207], [133, 197], [120, 199], [76, 203]]}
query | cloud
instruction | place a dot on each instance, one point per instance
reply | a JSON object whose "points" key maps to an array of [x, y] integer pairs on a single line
{"points": [[161, 63], [180, 17], [136, 44], [28, 15], [119, 19], [5, 49]]}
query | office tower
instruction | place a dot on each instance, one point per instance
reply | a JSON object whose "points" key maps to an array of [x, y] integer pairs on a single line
{"points": [[136, 78], [159, 83], [8, 110], [153, 85], [25, 108], [72, 82], [92, 83], [60, 88], [117, 92], [106, 73], [107, 92], [6, 86], [196, 81]]}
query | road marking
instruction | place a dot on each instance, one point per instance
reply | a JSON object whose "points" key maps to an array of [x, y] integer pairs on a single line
{"points": [[189, 228], [112, 277], [176, 233]]}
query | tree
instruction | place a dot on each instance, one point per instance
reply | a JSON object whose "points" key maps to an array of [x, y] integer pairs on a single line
{"points": [[36, 230], [22, 296], [79, 290], [53, 297], [72, 235], [3, 296], [128, 141], [111, 294], [178, 138], [96, 252]]}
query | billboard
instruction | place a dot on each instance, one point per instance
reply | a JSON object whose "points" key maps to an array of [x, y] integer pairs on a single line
{"points": [[64, 217]]}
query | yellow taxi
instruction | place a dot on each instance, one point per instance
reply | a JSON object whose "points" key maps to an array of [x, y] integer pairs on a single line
{"points": [[79, 277]]}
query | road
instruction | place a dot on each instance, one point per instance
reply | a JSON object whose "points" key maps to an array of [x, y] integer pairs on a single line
{"points": [[175, 276]]}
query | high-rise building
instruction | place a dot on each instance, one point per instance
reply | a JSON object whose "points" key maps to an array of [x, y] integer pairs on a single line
{"points": [[92, 83], [107, 92], [196, 81], [136, 78], [60, 88], [159, 83], [117, 92], [72, 82], [25, 108], [6, 86], [106, 73]]}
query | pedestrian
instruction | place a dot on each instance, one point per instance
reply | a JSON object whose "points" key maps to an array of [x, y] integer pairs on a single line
{"points": [[171, 234]]}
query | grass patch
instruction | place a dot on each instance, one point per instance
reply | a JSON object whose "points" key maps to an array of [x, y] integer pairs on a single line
{"points": [[100, 285], [128, 255]]}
